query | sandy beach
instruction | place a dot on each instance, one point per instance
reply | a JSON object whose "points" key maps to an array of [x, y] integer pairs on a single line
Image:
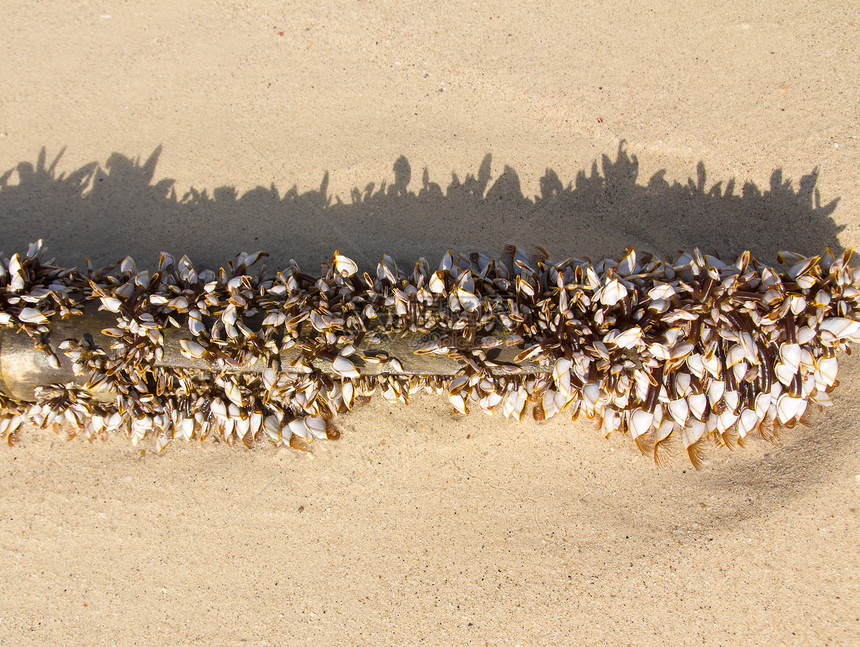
{"points": [[210, 128]]}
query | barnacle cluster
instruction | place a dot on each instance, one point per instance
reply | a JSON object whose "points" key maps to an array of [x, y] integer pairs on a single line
{"points": [[665, 350]]}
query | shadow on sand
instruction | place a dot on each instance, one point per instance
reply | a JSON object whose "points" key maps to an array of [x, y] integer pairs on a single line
{"points": [[106, 212]]}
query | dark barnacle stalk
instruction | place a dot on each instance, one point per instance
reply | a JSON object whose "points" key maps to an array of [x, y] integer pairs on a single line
{"points": [[660, 349]]}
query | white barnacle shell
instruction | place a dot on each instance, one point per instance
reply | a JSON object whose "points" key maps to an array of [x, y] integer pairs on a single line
{"points": [[35, 249], [275, 319], [316, 427], [785, 373], [679, 410], [611, 421], [514, 403], [681, 349], [272, 427], [458, 402], [732, 400], [822, 299], [191, 349], [230, 315], [184, 430], [466, 292], [343, 265], [344, 367], [661, 291], [162, 440], [806, 282], [693, 432], [387, 270], [300, 428], [590, 395], [33, 316], [659, 351], [747, 421], [628, 264], [15, 266], [489, 401], [762, 404], [716, 389], [612, 292], [195, 325], [127, 265], [17, 283], [640, 422], [711, 362], [468, 300], [348, 394], [111, 303], [179, 303], [750, 348], [840, 327], [695, 364], [725, 420], [790, 408], [697, 403], [682, 384], [561, 375], [736, 354], [234, 393], [827, 370], [627, 339], [142, 279], [269, 377], [437, 282], [790, 354], [797, 303]]}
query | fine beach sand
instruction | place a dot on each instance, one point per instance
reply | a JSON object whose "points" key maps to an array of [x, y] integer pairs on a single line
{"points": [[209, 128]]}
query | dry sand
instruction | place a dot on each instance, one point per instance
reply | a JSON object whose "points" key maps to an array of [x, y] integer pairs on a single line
{"points": [[213, 127]]}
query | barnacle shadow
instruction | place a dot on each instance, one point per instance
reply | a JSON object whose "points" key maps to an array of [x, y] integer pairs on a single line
{"points": [[108, 211], [121, 207]]}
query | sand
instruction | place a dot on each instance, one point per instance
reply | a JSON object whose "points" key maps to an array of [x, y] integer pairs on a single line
{"points": [[369, 127]]}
